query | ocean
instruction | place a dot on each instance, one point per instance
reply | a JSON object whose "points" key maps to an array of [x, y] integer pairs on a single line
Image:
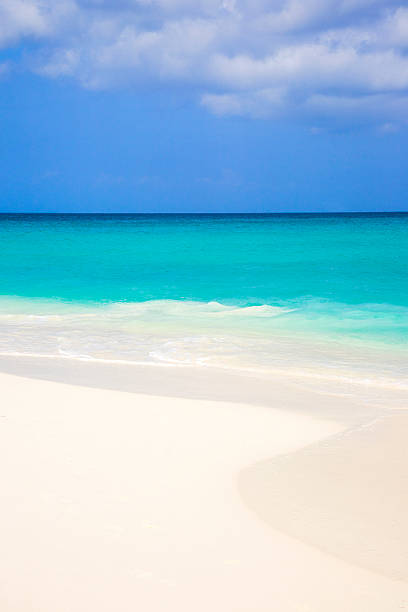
{"points": [[316, 296]]}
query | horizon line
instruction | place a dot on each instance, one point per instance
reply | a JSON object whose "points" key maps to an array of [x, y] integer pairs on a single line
{"points": [[234, 213]]}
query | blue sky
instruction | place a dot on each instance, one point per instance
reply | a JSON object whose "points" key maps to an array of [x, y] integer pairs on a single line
{"points": [[204, 105]]}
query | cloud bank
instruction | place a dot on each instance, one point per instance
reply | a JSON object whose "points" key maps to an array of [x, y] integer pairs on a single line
{"points": [[311, 59]]}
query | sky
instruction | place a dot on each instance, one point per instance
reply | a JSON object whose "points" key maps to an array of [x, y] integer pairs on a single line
{"points": [[203, 105]]}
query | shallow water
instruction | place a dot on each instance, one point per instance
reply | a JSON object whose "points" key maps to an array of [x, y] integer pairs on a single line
{"points": [[319, 296]]}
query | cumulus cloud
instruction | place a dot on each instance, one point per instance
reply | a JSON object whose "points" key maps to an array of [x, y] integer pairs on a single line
{"points": [[32, 18], [262, 58]]}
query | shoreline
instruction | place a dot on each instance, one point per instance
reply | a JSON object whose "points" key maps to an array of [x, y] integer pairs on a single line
{"points": [[116, 498], [346, 402], [278, 340]]}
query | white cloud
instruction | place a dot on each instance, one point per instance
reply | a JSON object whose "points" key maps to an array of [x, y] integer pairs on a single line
{"points": [[263, 58], [262, 103], [19, 18], [33, 18]]}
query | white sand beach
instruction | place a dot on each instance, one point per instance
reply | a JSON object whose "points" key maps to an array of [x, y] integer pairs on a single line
{"points": [[120, 501]]}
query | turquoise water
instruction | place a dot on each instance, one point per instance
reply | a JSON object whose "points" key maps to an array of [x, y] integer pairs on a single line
{"points": [[317, 293]]}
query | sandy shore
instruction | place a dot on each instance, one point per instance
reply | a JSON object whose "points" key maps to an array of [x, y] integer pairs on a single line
{"points": [[122, 500], [347, 495]]}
